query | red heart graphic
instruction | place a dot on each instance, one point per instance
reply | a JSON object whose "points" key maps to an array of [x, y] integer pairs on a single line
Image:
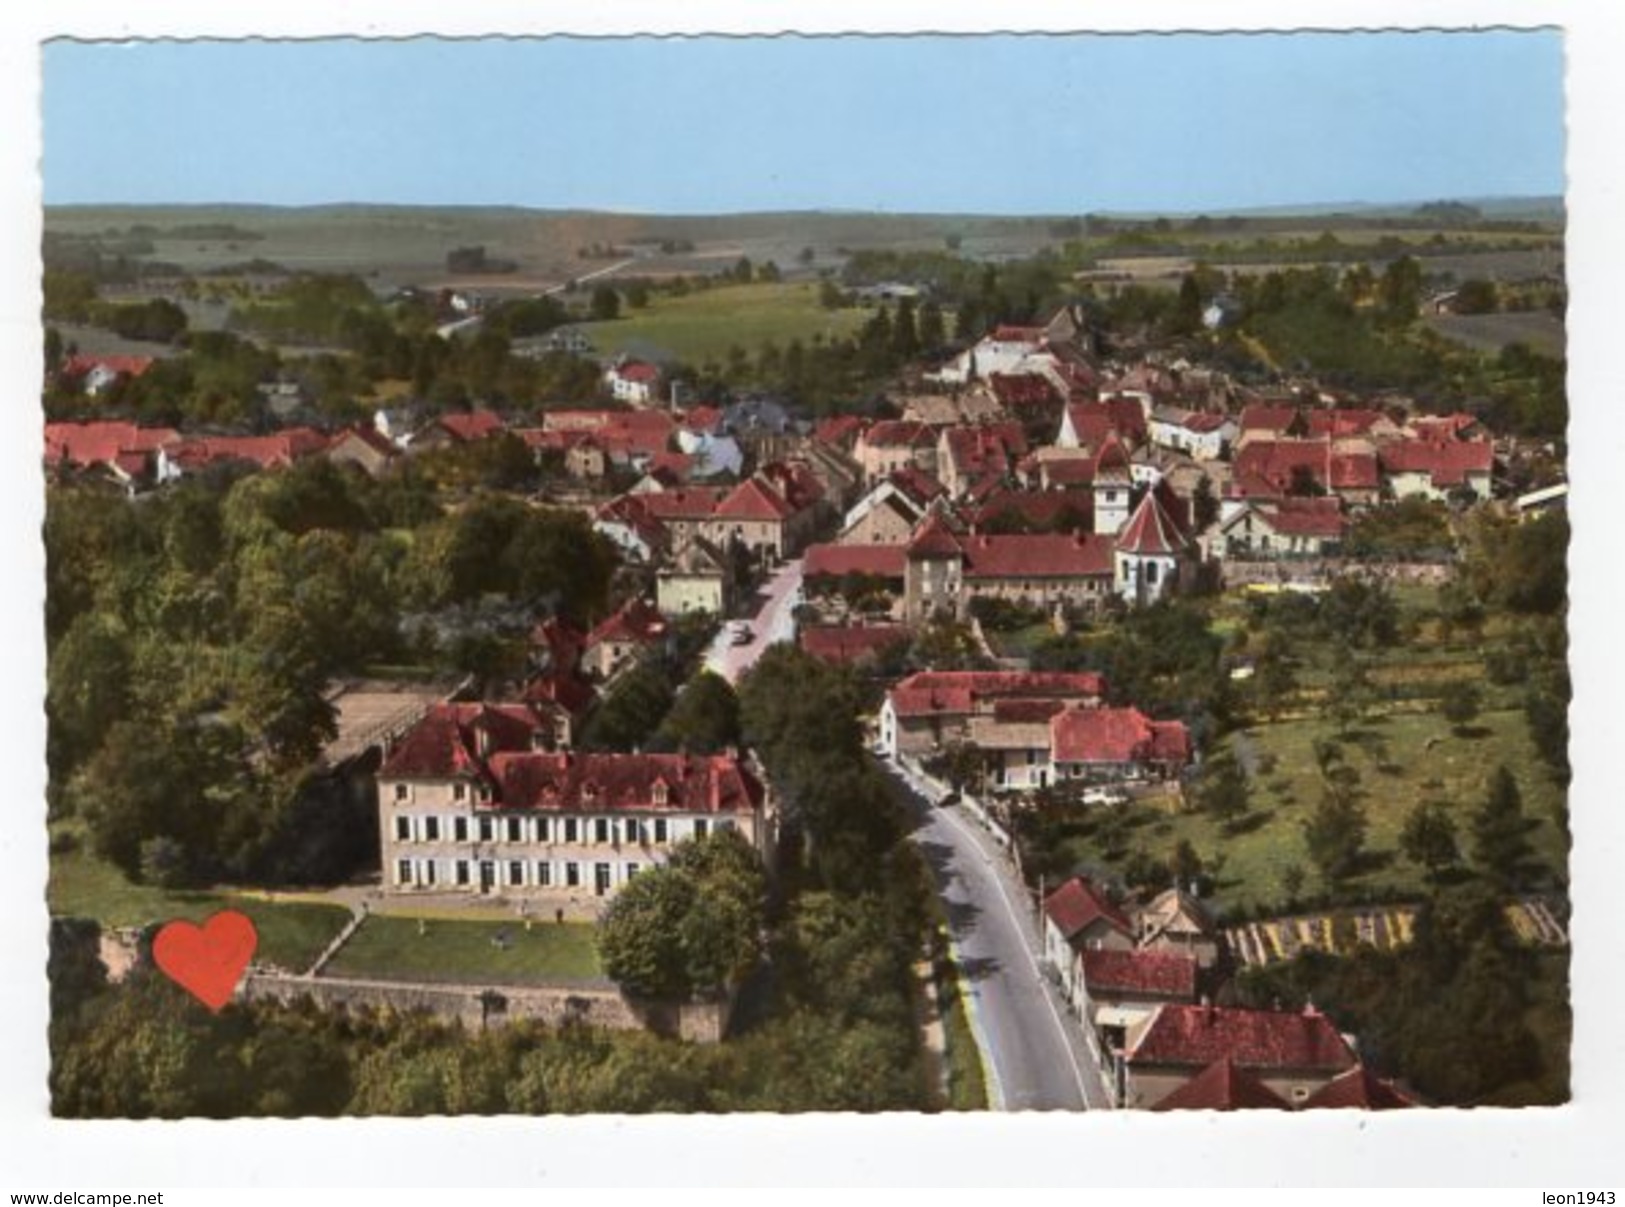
{"points": [[207, 960]]}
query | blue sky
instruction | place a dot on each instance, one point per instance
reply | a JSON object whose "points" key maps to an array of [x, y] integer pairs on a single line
{"points": [[1008, 124]]}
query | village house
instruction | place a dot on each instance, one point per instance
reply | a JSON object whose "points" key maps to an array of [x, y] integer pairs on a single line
{"points": [[622, 636], [1438, 470], [633, 381], [891, 510], [893, 444], [684, 513], [699, 578], [930, 709], [1078, 917], [474, 800], [1111, 745], [1282, 528], [1002, 350], [1203, 435], [365, 448], [457, 428], [1087, 425], [755, 516], [128, 452], [1223, 1086], [1118, 990], [629, 525], [93, 375], [1293, 1053], [946, 571], [1273, 469], [969, 458], [1177, 922], [279, 450]]}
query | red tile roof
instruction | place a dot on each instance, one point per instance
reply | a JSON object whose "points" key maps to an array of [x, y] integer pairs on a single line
{"points": [[702, 418], [637, 370], [689, 503], [131, 366], [1078, 905], [919, 486], [1040, 555], [928, 693], [1026, 712], [934, 539], [1040, 508], [753, 499], [1151, 531], [1026, 391], [882, 561], [598, 418], [1262, 417], [1205, 421], [1446, 462], [794, 481], [1196, 1036], [94, 443], [278, 449], [1069, 471], [898, 433], [568, 782], [636, 621], [1010, 333], [1140, 973], [849, 644], [1117, 735], [468, 426], [1275, 461], [1358, 1089], [446, 742], [1093, 422], [1339, 423], [1308, 517], [1222, 1086], [562, 687], [370, 436], [839, 430], [984, 449], [1441, 427]]}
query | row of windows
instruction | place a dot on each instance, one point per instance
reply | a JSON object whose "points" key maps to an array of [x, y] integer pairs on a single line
{"points": [[602, 831], [488, 874]]}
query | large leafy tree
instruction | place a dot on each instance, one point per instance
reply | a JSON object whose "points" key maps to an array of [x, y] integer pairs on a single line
{"points": [[692, 926]]}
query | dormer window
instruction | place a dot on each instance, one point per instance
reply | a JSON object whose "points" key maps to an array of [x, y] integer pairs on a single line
{"points": [[459, 791], [660, 795]]}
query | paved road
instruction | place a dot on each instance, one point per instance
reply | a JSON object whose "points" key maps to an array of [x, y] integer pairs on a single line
{"points": [[1034, 1052], [770, 622]]}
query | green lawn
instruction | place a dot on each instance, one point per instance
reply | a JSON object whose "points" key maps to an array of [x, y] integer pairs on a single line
{"points": [[292, 933], [967, 1082], [393, 948], [705, 325]]}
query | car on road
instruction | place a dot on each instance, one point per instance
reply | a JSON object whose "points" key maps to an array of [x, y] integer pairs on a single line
{"points": [[741, 633]]}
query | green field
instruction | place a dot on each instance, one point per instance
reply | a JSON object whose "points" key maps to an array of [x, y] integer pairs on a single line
{"points": [[395, 948], [703, 326], [292, 933]]}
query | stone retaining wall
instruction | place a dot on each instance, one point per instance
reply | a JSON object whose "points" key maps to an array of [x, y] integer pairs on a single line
{"points": [[1239, 573], [488, 1005]]}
